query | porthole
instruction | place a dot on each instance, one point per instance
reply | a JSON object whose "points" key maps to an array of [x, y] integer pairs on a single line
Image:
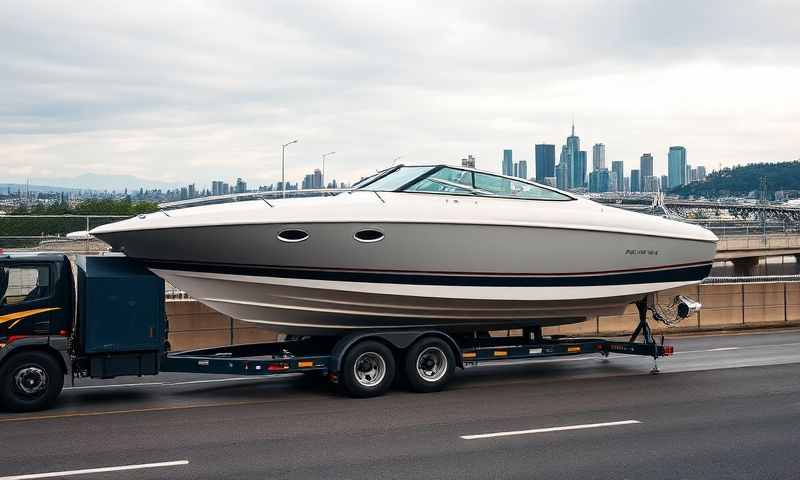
{"points": [[292, 236], [368, 236]]}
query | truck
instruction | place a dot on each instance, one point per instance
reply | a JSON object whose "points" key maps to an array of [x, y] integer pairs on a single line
{"points": [[105, 318]]}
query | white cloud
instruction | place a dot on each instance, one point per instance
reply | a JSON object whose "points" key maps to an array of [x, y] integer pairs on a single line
{"points": [[193, 91]]}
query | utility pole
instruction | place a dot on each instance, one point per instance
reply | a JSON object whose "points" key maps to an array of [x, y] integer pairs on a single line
{"points": [[283, 166]]}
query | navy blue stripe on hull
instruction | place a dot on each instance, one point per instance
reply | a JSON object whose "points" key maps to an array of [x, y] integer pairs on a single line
{"points": [[683, 274]]}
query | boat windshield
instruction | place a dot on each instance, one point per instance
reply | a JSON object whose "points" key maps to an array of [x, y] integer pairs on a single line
{"points": [[395, 179], [455, 181]]}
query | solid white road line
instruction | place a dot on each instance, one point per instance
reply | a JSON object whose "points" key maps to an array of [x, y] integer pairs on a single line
{"points": [[546, 430], [96, 470]]}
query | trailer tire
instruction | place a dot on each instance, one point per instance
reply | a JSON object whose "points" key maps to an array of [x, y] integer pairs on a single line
{"points": [[368, 369], [30, 381], [429, 365]]}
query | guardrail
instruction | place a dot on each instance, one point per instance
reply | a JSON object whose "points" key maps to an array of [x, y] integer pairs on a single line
{"points": [[751, 279]]}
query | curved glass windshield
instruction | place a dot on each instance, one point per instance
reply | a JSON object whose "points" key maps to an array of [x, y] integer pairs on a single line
{"points": [[396, 179], [454, 181]]}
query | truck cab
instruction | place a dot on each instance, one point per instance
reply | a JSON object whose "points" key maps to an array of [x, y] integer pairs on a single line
{"points": [[109, 323], [37, 311]]}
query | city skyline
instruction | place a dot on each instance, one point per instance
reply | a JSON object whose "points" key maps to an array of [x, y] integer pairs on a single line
{"points": [[121, 90]]}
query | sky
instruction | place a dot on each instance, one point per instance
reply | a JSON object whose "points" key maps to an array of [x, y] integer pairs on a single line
{"points": [[191, 91]]}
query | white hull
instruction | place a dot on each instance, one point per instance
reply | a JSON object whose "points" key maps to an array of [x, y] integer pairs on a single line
{"points": [[319, 306]]}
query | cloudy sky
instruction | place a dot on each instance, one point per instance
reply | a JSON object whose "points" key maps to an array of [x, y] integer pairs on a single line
{"points": [[192, 91]]}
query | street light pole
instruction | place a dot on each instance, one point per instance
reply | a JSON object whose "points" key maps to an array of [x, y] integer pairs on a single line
{"points": [[323, 166], [283, 166]]}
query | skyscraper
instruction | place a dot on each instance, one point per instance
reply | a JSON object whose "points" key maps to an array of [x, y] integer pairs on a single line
{"points": [[564, 169], [701, 173], [646, 165], [508, 163], [617, 167], [598, 156], [573, 159], [522, 169], [599, 181], [579, 174], [468, 162], [636, 181], [545, 158], [676, 166]]}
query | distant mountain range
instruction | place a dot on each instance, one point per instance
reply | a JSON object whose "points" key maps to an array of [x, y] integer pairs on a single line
{"points": [[90, 181]]}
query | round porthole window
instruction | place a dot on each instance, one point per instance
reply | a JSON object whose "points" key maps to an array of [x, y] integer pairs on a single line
{"points": [[292, 236], [368, 236]]}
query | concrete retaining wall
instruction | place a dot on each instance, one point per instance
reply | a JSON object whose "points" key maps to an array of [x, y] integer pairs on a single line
{"points": [[724, 306], [193, 325]]}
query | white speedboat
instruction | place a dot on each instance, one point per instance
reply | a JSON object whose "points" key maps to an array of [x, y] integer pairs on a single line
{"points": [[414, 246]]}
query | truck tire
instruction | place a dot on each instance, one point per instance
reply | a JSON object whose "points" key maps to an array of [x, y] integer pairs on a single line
{"points": [[429, 364], [368, 369], [30, 381]]}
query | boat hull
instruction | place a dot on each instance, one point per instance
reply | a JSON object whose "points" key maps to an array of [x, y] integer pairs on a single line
{"points": [[323, 306], [448, 276]]}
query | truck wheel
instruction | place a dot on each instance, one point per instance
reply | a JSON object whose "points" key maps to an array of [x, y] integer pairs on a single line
{"points": [[429, 364], [30, 381], [368, 369]]}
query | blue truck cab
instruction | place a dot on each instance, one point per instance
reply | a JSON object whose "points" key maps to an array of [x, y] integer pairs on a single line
{"points": [[112, 324]]}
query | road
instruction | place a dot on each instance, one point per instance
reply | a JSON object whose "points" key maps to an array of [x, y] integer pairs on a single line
{"points": [[725, 406]]}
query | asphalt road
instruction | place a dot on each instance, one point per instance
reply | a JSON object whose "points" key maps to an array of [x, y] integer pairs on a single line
{"points": [[723, 407]]}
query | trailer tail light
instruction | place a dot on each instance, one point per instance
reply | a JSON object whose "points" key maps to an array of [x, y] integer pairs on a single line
{"points": [[668, 350], [277, 367]]}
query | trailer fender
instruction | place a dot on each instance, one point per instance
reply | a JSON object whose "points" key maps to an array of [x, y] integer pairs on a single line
{"points": [[399, 340]]}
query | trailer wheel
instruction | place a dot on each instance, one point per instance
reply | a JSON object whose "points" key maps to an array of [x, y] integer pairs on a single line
{"points": [[429, 364], [30, 381], [368, 369]]}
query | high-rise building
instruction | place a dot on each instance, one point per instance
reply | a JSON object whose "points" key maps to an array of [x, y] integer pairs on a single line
{"points": [[701, 173], [545, 159], [676, 166], [573, 161], [613, 182], [516, 169], [650, 184], [579, 173], [664, 183], [317, 176], [598, 156], [636, 181], [617, 167], [550, 181], [216, 187], [626, 184], [522, 169], [599, 181], [646, 166], [468, 162], [564, 169], [241, 186], [562, 175], [508, 163]]}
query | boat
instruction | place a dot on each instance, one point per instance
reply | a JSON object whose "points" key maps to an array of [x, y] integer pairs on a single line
{"points": [[416, 246]]}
